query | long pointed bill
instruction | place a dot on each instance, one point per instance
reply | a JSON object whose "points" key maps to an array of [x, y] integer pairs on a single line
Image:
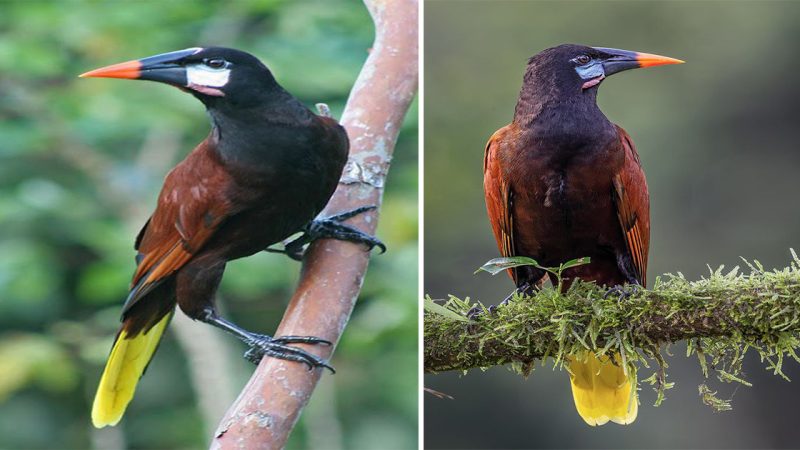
{"points": [[164, 68], [624, 60], [129, 69], [650, 60]]}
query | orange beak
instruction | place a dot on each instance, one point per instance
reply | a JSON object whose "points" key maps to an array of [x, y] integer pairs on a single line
{"points": [[129, 70], [619, 60], [165, 68], [650, 60]]}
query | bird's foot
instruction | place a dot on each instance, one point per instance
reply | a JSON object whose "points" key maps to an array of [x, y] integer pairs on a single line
{"points": [[477, 310], [262, 345], [331, 228], [623, 292]]}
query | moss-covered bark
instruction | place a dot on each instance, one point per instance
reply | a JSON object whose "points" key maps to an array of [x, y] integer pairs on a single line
{"points": [[722, 316]]}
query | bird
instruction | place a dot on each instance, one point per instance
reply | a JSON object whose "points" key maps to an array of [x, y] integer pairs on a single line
{"points": [[561, 182], [263, 174]]}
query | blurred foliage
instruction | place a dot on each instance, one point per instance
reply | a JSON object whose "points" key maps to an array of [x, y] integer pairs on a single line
{"points": [[81, 162], [717, 139]]}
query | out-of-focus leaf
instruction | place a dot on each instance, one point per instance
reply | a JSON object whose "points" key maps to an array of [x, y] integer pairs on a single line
{"points": [[104, 282], [28, 358]]}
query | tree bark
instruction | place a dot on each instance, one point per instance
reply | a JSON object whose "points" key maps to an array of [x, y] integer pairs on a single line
{"points": [[333, 271]]}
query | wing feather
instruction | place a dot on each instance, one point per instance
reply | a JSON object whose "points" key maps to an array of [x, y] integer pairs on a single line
{"points": [[192, 205], [499, 200], [632, 201]]}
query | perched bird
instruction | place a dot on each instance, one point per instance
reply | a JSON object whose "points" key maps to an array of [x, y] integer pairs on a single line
{"points": [[267, 168], [561, 182]]}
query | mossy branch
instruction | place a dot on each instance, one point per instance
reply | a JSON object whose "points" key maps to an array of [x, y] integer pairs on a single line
{"points": [[722, 316]]}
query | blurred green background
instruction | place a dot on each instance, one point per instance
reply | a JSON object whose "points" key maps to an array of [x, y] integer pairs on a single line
{"points": [[81, 162], [718, 140]]}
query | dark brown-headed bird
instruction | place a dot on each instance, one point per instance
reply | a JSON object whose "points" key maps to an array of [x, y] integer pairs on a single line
{"points": [[563, 182], [265, 171]]}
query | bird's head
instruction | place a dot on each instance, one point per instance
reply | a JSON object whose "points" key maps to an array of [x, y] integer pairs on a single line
{"points": [[213, 74], [576, 68]]}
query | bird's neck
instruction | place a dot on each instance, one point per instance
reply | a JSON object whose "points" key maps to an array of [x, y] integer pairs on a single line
{"points": [[256, 135], [552, 114]]}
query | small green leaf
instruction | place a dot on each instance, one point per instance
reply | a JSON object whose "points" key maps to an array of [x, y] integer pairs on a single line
{"points": [[497, 265], [575, 263], [436, 308]]}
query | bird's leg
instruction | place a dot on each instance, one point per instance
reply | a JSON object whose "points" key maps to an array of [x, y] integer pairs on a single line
{"points": [[293, 249], [331, 228], [263, 345], [523, 289], [623, 291]]}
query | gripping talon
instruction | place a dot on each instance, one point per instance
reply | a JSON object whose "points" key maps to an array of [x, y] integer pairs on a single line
{"points": [[477, 311], [331, 228], [623, 292], [263, 345], [352, 213], [301, 340]]}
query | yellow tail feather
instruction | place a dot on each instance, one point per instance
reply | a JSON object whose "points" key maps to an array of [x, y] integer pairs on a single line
{"points": [[601, 389], [126, 363]]}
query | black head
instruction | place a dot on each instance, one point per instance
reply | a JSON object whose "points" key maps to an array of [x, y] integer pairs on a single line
{"points": [[570, 69], [215, 75]]}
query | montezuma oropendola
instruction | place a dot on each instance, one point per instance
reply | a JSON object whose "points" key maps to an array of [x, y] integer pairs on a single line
{"points": [[265, 171], [561, 182]]}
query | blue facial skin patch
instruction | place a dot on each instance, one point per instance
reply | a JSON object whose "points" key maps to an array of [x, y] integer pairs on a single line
{"points": [[590, 70]]}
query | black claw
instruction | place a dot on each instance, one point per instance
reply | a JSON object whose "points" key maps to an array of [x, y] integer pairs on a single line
{"points": [[352, 213], [301, 340], [263, 345], [331, 228], [475, 312], [623, 292], [254, 356]]}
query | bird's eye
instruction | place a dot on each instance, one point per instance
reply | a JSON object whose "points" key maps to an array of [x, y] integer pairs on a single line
{"points": [[582, 59], [214, 63]]}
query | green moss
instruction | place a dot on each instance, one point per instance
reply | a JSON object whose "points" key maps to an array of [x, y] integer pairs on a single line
{"points": [[722, 316]]}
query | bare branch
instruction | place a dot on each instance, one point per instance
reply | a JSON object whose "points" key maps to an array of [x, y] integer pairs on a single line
{"points": [[333, 271]]}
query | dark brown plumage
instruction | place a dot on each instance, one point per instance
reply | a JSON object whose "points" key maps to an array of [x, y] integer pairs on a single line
{"points": [[555, 206], [267, 169], [562, 182]]}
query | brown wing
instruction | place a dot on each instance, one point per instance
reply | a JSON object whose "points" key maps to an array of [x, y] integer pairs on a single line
{"points": [[633, 206], [191, 207], [499, 199]]}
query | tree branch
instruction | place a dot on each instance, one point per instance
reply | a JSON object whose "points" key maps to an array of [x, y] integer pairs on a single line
{"points": [[333, 271], [722, 316]]}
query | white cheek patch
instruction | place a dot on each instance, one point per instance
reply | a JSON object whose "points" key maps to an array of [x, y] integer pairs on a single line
{"points": [[201, 75]]}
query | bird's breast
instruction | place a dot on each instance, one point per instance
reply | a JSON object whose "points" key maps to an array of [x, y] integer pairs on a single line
{"points": [[565, 178], [563, 202]]}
